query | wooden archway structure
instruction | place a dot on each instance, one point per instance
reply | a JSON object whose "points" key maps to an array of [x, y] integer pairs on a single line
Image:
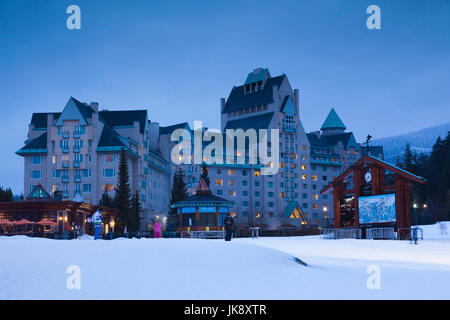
{"points": [[383, 179]]}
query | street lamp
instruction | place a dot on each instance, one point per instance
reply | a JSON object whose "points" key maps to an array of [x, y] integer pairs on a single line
{"points": [[415, 212], [325, 210]]}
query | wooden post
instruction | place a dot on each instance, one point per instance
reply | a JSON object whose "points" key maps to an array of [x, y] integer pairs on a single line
{"points": [[337, 190], [399, 201], [356, 193], [376, 179], [197, 216], [407, 216], [217, 216]]}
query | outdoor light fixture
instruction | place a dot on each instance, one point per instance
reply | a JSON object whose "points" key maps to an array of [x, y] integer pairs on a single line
{"points": [[415, 205], [425, 205]]}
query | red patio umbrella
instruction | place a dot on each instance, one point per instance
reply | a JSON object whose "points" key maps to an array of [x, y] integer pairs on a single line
{"points": [[22, 222], [45, 222], [4, 222]]}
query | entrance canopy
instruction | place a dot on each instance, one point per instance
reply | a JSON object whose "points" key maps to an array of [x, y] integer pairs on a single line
{"points": [[293, 211]]}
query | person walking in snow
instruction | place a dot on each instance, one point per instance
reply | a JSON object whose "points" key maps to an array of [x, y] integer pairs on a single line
{"points": [[97, 221], [228, 226], [157, 229], [443, 227]]}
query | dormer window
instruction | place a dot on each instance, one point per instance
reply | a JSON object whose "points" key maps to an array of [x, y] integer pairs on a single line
{"points": [[253, 87]]}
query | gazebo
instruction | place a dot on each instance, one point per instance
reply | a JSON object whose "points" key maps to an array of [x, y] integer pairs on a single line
{"points": [[202, 211]]}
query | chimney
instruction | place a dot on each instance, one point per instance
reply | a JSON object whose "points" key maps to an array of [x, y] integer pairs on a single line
{"points": [[222, 104], [94, 106], [296, 100]]}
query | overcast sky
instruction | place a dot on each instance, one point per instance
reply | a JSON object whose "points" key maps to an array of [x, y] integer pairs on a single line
{"points": [[178, 58]]}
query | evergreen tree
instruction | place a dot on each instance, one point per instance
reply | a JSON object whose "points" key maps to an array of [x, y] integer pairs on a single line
{"points": [[136, 210], [106, 201], [436, 192], [123, 194], [179, 193], [6, 194], [439, 179], [205, 174]]}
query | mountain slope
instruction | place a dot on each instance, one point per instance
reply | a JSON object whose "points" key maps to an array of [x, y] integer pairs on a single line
{"points": [[420, 141]]}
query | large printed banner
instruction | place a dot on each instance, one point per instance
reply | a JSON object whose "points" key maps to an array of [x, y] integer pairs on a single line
{"points": [[376, 209]]}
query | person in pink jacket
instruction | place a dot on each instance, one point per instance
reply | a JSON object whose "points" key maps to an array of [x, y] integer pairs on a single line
{"points": [[157, 229]]}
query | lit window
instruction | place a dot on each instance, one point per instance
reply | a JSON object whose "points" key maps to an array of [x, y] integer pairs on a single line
{"points": [[219, 182], [230, 172], [256, 173], [304, 177], [314, 177], [108, 187]]}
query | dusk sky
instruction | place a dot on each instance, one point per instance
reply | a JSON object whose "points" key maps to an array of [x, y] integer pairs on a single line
{"points": [[178, 58]]}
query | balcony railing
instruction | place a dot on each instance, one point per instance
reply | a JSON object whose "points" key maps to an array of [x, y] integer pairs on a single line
{"points": [[76, 134], [65, 134], [76, 164], [288, 127], [65, 163], [77, 178], [65, 178], [76, 149], [65, 149], [65, 194]]}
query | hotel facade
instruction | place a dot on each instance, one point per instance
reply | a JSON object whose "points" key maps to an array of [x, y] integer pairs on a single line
{"points": [[76, 151]]}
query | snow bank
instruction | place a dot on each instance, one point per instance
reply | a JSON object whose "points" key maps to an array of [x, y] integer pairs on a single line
{"points": [[264, 268]]}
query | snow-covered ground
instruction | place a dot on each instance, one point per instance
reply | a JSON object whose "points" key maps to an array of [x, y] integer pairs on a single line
{"points": [[263, 268]]}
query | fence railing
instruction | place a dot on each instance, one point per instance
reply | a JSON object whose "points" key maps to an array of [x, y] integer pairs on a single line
{"points": [[342, 233], [203, 234], [380, 233]]}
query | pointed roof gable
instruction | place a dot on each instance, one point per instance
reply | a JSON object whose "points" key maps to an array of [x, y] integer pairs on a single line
{"points": [[203, 187], [75, 110], [378, 162], [38, 193], [293, 211], [333, 121], [288, 106]]}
